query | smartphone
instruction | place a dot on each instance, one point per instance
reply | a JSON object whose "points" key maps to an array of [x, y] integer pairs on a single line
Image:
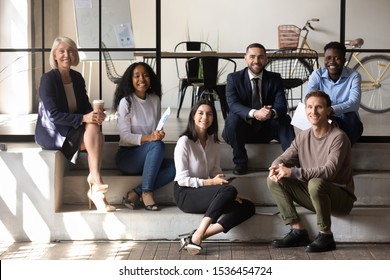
{"points": [[230, 179]]}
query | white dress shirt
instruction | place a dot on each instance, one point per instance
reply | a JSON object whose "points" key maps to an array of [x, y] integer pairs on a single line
{"points": [[260, 77], [194, 163]]}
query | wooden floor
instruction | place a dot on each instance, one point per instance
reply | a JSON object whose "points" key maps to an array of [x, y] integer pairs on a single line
{"points": [[160, 250]]}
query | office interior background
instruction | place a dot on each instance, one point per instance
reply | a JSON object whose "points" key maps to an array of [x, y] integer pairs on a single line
{"points": [[227, 25], [30, 201]]}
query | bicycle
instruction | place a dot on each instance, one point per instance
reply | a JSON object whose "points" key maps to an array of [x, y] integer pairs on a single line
{"points": [[374, 69], [294, 64], [375, 74], [306, 28], [292, 37]]}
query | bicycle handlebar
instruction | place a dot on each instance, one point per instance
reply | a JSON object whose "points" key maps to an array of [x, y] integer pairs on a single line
{"points": [[308, 24]]}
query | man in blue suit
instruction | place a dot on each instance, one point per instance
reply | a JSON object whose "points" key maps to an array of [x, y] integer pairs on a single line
{"points": [[257, 108]]}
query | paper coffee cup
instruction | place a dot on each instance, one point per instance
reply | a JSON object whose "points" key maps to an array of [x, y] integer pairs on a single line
{"points": [[98, 104]]}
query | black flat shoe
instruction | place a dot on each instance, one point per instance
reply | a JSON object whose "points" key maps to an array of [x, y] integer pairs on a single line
{"points": [[153, 207], [148, 201], [128, 202], [240, 169], [295, 238]]}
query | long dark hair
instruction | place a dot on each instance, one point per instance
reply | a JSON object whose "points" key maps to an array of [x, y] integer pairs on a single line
{"points": [[190, 131], [125, 86]]}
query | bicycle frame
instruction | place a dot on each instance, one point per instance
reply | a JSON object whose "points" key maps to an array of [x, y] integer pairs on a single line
{"points": [[374, 71], [306, 30], [372, 83], [304, 39]]}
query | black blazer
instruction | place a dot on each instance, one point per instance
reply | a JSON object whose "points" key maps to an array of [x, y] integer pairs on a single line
{"points": [[54, 119], [239, 93]]}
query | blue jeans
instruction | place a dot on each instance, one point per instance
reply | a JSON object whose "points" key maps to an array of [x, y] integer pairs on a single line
{"points": [[147, 160]]}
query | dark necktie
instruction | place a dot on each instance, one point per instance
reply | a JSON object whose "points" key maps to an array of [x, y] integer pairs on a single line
{"points": [[256, 103]]}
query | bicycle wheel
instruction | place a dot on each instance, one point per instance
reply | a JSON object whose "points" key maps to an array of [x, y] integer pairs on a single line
{"points": [[375, 74]]}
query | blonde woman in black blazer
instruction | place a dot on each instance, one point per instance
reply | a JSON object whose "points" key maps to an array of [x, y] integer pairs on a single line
{"points": [[66, 121]]}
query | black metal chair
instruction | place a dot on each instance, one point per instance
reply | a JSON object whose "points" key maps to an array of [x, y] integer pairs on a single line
{"points": [[112, 75], [295, 67], [212, 69], [186, 78]]}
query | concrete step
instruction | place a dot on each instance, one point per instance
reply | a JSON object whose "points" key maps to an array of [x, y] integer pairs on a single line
{"points": [[372, 188], [365, 156], [34, 184], [77, 223], [372, 174], [260, 155]]}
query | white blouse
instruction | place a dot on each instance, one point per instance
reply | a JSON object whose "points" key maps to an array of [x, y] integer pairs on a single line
{"points": [[142, 118], [194, 163]]}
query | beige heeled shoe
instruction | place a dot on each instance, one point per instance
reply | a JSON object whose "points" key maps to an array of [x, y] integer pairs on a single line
{"points": [[96, 195]]}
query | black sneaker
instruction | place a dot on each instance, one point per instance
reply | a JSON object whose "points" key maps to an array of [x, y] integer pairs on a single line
{"points": [[295, 238], [322, 243], [240, 169]]}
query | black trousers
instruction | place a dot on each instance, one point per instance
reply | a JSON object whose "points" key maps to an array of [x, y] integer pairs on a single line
{"points": [[238, 132], [214, 201]]}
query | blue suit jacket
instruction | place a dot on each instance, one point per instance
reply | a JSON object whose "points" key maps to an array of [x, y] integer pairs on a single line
{"points": [[54, 119], [239, 93]]}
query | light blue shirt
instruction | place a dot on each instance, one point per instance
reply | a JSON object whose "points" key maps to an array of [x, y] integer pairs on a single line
{"points": [[345, 93]]}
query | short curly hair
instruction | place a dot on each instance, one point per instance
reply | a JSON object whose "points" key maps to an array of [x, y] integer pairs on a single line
{"points": [[336, 46]]}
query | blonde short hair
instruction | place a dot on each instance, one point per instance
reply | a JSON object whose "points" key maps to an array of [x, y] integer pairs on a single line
{"points": [[56, 43]]}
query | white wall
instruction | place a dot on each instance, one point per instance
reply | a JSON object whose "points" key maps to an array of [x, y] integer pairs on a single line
{"points": [[230, 25]]}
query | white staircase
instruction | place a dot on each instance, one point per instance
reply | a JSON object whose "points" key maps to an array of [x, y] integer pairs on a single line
{"points": [[43, 198]]}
